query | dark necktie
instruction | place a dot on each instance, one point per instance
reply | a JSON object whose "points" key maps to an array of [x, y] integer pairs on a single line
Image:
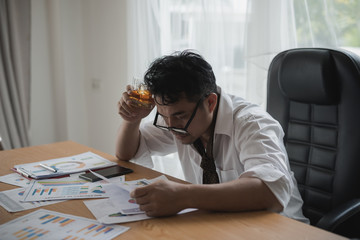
{"points": [[207, 162]]}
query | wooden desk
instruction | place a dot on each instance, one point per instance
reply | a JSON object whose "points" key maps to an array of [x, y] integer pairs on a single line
{"points": [[194, 225]]}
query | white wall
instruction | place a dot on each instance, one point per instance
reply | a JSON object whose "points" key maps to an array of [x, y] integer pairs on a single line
{"points": [[106, 68], [79, 70]]}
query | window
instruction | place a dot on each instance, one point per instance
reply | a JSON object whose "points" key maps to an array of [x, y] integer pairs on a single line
{"points": [[239, 38], [328, 23]]}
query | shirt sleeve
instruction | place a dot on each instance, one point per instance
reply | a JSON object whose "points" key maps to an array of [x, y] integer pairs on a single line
{"points": [[142, 156], [153, 142], [263, 154]]}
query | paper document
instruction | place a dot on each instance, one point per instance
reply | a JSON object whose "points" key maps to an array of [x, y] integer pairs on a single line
{"points": [[120, 196], [120, 207], [105, 212], [45, 224], [15, 179], [11, 201], [39, 192], [63, 166], [74, 180]]}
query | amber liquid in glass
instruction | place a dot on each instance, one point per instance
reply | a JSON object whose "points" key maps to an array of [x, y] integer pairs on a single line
{"points": [[142, 97]]}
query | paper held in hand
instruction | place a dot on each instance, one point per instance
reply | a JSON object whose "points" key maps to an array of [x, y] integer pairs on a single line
{"points": [[63, 166]]}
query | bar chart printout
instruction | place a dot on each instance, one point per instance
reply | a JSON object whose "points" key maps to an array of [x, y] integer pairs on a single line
{"points": [[38, 192], [45, 224]]}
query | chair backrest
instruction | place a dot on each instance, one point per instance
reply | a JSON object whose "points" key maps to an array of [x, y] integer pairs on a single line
{"points": [[315, 95]]}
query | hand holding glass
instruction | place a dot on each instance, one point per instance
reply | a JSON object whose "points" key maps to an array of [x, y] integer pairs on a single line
{"points": [[140, 95]]}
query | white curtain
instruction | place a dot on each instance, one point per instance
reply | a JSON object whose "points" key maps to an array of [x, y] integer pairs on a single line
{"points": [[233, 36], [143, 35], [14, 73], [239, 38], [270, 29]]}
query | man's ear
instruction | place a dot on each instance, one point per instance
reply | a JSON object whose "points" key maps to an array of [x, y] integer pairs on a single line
{"points": [[211, 101]]}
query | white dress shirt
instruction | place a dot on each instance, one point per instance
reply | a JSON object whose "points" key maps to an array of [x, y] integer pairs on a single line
{"points": [[247, 142]]}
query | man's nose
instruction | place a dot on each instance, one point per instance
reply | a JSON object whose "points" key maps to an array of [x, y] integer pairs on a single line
{"points": [[173, 122]]}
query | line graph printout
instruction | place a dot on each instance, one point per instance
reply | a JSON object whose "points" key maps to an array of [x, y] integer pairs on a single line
{"points": [[38, 192], [64, 166], [45, 224]]}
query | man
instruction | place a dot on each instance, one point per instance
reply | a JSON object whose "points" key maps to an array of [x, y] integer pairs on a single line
{"points": [[232, 151]]}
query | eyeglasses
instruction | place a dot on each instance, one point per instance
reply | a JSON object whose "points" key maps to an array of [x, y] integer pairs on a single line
{"points": [[175, 129]]}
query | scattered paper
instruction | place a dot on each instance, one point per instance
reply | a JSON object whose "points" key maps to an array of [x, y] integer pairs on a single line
{"points": [[15, 179], [107, 214], [11, 201], [39, 192], [74, 179], [119, 195], [45, 224], [113, 209], [64, 166]]}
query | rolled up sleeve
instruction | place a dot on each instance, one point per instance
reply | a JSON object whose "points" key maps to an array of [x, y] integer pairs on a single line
{"points": [[277, 181], [142, 156], [153, 142], [264, 156]]}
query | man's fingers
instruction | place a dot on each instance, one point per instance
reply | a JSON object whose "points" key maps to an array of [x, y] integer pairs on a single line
{"points": [[139, 192], [145, 207], [142, 198], [148, 209], [129, 88]]}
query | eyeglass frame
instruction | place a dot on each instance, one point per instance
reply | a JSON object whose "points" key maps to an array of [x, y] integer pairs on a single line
{"points": [[180, 130]]}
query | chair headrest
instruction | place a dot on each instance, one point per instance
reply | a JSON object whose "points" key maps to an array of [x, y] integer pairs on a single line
{"points": [[309, 76]]}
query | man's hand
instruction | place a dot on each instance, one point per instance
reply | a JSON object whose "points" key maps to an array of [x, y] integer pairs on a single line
{"points": [[162, 198], [129, 111]]}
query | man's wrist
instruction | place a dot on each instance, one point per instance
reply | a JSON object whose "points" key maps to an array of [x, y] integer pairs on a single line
{"points": [[132, 124], [187, 196]]}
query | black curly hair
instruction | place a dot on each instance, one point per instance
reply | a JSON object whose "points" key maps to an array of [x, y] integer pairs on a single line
{"points": [[180, 74]]}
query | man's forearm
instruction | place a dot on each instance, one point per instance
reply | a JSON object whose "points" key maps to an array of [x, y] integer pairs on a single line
{"points": [[242, 194], [128, 140]]}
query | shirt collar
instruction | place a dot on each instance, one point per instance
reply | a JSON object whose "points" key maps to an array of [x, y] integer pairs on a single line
{"points": [[224, 120]]}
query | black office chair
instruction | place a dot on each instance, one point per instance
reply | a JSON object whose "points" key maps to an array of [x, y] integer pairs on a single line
{"points": [[315, 95]]}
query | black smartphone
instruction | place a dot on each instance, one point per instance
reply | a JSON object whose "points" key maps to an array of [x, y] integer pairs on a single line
{"points": [[106, 172]]}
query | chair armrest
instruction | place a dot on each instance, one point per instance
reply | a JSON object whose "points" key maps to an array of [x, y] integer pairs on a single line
{"points": [[339, 215]]}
